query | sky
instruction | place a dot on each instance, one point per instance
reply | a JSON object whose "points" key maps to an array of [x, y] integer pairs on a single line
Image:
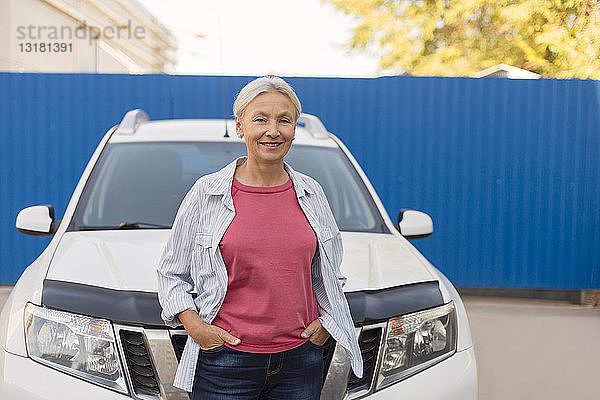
{"points": [[257, 37]]}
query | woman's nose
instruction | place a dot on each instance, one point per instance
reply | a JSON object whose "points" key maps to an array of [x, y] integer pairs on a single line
{"points": [[272, 129]]}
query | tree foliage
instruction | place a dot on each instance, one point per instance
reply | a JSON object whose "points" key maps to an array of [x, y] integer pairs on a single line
{"points": [[460, 37]]}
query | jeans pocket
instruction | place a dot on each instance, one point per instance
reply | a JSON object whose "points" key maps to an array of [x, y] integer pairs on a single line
{"points": [[314, 345], [213, 350]]}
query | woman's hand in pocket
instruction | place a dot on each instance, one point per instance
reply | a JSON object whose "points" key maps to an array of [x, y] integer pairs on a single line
{"points": [[316, 333], [206, 335]]}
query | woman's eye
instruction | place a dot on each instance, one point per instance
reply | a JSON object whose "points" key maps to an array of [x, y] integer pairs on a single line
{"points": [[259, 119], [285, 121]]}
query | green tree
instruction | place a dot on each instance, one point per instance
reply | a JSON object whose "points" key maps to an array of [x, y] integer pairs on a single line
{"points": [[554, 38]]}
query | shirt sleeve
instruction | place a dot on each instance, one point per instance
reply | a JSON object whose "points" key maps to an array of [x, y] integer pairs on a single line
{"points": [[174, 278], [338, 253], [337, 245]]}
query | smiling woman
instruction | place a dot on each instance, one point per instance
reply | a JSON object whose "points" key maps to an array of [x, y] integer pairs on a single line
{"points": [[266, 264], [268, 127], [266, 119]]}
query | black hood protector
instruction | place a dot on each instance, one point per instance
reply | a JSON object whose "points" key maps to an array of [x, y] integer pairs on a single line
{"points": [[143, 308]]}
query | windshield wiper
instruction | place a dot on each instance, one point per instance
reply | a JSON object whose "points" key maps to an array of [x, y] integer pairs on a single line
{"points": [[123, 225]]}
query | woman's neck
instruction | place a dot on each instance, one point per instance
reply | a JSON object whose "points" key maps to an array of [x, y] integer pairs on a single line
{"points": [[252, 173]]}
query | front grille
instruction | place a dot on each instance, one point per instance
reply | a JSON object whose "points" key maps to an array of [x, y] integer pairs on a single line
{"points": [[368, 342], [141, 348], [178, 341], [141, 371]]}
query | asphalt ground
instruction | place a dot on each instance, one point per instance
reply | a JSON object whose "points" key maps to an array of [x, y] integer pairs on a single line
{"points": [[528, 349], [535, 349]]}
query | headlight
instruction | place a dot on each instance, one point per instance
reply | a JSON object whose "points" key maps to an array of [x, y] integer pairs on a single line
{"points": [[416, 341], [76, 344]]}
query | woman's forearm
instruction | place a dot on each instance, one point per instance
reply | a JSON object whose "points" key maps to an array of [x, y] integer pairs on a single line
{"points": [[190, 318]]}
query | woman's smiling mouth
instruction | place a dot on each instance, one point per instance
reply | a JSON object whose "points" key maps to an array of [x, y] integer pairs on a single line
{"points": [[271, 145]]}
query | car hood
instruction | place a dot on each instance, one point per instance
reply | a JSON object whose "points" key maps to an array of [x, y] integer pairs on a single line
{"points": [[126, 260]]}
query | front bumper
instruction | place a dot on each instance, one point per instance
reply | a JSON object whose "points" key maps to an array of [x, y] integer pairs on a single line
{"points": [[452, 379], [21, 378]]}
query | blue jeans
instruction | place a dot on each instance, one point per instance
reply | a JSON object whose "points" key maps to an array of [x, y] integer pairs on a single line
{"points": [[224, 373]]}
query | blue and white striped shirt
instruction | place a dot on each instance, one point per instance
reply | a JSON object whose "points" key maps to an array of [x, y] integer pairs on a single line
{"points": [[192, 259]]}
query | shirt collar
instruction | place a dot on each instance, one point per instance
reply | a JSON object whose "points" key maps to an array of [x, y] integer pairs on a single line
{"points": [[223, 179]]}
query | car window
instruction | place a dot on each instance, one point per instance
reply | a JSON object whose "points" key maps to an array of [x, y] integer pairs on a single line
{"points": [[146, 182]]}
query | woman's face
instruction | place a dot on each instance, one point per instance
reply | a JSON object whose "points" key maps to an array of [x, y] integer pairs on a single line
{"points": [[268, 126]]}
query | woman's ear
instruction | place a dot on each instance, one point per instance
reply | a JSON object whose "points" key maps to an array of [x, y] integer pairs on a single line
{"points": [[238, 127]]}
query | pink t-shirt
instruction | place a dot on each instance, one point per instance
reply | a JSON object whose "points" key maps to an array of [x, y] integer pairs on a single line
{"points": [[268, 249]]}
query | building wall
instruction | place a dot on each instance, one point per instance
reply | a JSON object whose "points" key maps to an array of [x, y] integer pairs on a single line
{"points": [[111, 36], [508, 169]]}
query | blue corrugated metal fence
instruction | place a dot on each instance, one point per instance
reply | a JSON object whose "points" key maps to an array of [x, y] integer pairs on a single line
{"points": [[508, 169]]}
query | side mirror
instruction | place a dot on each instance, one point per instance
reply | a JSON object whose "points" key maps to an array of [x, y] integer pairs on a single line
{"points": [[37, 221], [414, 224]]}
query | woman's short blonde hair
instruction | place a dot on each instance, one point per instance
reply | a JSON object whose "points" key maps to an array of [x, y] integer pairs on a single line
{"points": [[269, 83]]}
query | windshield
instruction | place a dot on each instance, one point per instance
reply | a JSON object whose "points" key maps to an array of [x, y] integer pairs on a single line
{"points": [[141, 185]]}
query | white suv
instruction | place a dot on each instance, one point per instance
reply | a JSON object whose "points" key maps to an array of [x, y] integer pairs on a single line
{"points": [[83, 321]]}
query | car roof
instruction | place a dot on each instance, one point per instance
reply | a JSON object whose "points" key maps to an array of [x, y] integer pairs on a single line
{"points": [[202, 130]]}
